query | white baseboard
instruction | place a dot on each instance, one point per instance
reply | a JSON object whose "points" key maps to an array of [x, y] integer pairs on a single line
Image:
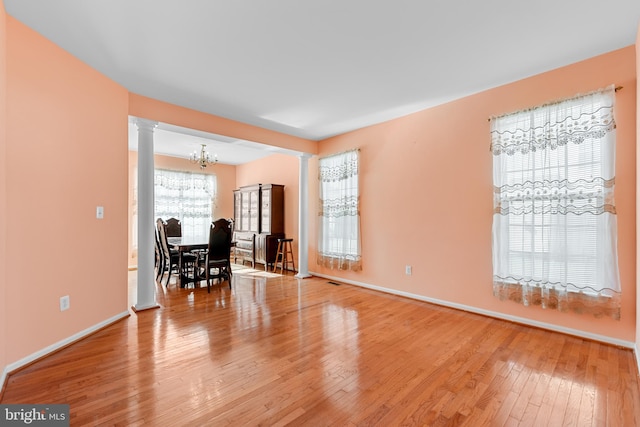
{"points": [[57, 346], [489, 313], [636, 353]]}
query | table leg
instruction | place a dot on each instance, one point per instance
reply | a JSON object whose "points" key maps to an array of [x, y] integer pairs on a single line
{"points": [[181, 269]]}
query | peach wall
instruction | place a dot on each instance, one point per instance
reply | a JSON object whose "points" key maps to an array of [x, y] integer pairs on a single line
{"points": [[226, 179], [153, 109], [637, 349], [70, 122], [277, 169], [3, 191], [426, 197]]}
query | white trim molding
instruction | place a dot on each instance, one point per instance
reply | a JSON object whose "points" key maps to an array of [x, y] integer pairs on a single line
{"points": [[59, 345], [303, 216], [636, 353], [521, 320]]}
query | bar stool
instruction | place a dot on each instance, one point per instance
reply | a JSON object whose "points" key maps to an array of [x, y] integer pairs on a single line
{"points": [[284, 255]]}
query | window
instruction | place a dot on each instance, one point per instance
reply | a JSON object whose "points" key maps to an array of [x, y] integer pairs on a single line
{"points": [[339, 214], [554, 227], [188, 196]]}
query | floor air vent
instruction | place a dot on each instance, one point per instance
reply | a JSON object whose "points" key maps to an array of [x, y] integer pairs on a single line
{"points": [[334, 283]]}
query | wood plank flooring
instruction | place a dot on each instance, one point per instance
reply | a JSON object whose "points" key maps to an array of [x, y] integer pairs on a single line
{"points": [[278, 351]]}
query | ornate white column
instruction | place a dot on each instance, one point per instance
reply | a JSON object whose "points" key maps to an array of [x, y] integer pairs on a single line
{"points": [[146, 224], [303, 220]]}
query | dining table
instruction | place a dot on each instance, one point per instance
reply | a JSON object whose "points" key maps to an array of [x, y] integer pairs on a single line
{"points": [[183, 245], [186, 244]]}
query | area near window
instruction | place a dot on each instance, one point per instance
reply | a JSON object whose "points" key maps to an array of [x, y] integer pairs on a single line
{"points": [[188, 196], [554, 226], [339, 215]]}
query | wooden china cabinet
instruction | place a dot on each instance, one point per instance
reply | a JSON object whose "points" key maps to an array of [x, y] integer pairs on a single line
{"points": [[259, 223]]}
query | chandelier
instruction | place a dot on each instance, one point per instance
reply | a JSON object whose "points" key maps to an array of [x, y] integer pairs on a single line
{"points": [[203, 158]]}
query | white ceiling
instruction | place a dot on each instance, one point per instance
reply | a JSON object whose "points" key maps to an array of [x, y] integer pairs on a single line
{"points": [[315, 69]]}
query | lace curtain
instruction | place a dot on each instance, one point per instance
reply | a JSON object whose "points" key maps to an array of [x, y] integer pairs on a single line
{"points": [[554, 222], [188, 196], [339, 214]]}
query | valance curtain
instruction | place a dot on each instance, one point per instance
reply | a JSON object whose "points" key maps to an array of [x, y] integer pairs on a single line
{"points": [[554, 218], [188, 196], [339, 212]]}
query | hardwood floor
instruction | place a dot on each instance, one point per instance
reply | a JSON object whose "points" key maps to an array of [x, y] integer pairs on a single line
{"points": [[278, 351]]}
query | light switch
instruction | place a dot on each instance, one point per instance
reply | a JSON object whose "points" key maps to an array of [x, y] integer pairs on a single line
{"points": [[100, 212], [64, 303]]}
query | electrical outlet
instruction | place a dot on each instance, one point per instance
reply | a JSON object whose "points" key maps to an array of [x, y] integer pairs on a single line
{"points": [[407, 270], [64, 303]]}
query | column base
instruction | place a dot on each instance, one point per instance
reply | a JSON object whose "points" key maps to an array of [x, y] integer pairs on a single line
{"points": [[139, 308]]}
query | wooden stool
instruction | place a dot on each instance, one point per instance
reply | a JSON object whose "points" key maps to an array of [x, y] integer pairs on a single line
{"points": [[284, 255]]}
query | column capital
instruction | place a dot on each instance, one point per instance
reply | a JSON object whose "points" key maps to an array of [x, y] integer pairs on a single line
{"points": [[145, 124], [305, 156]]}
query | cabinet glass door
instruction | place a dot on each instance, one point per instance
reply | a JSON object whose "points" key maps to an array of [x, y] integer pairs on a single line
{"points": [[266, 211], [253, 212], [237, 210], [244, 213]]}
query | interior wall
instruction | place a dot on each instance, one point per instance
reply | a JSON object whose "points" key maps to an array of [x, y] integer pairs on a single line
{"points": [[3, 192], [426, 195], [277, 169], [226, 180], [637, 349], [66, 154]]}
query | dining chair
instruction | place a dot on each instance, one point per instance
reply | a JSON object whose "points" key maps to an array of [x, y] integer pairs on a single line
{"points": [[170, 258], [159, 262], [218, 253], [173, 227]]}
